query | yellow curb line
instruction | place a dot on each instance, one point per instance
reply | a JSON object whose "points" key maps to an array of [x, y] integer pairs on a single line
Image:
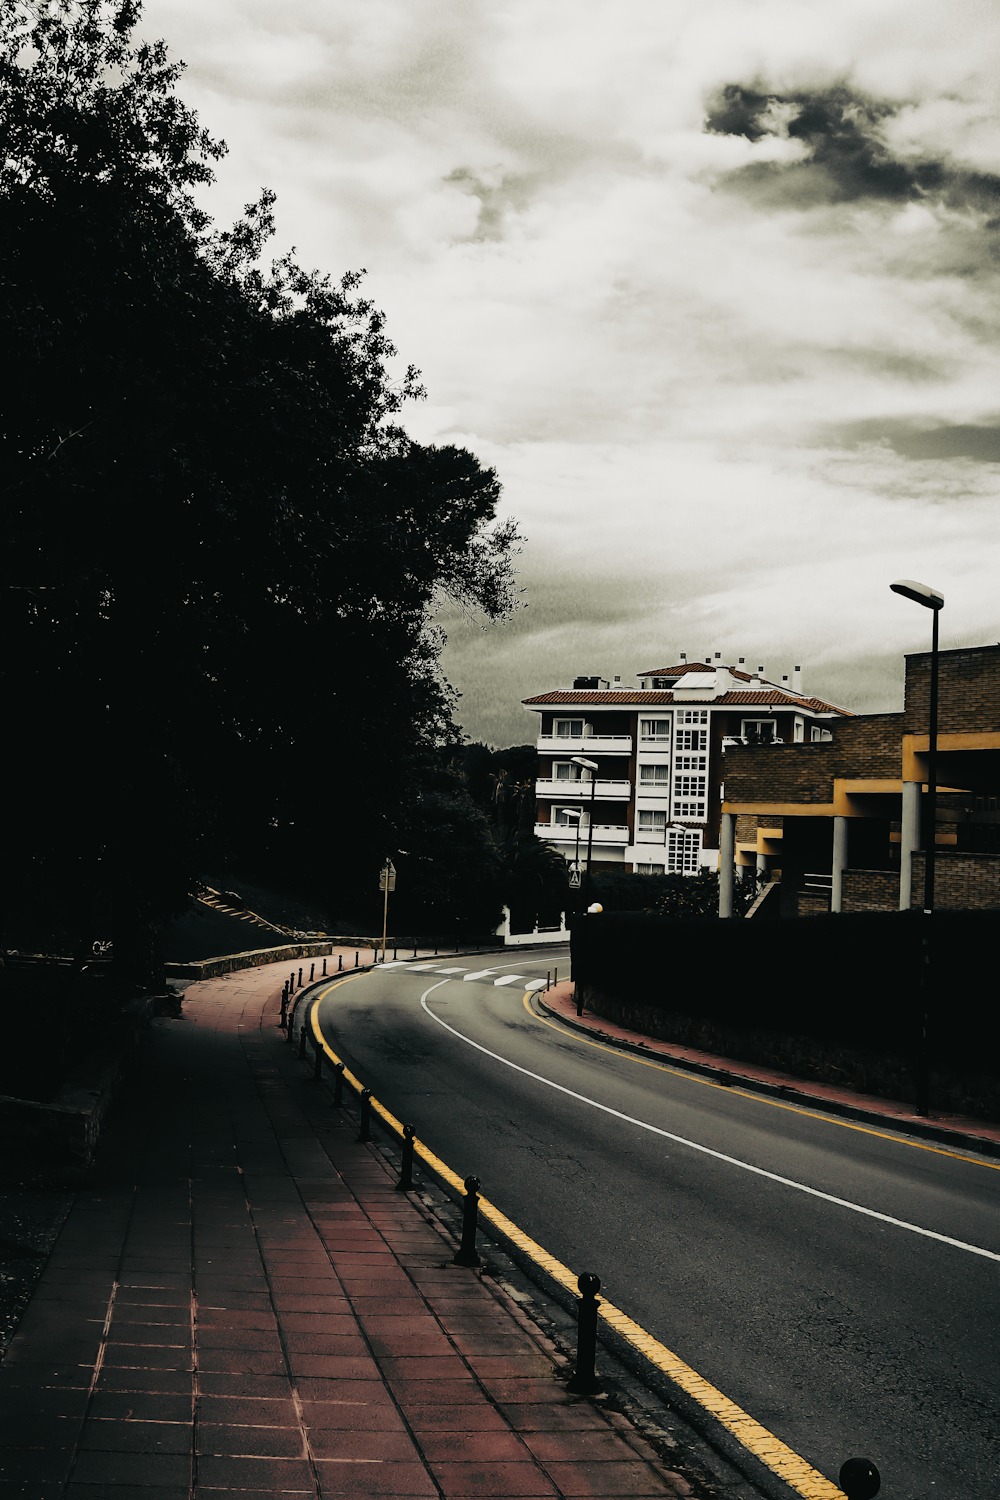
{"points": [[744, 1090], [779, 1458]]}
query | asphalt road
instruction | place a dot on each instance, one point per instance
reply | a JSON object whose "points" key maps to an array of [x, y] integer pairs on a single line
{"points": [[842, 1333]]}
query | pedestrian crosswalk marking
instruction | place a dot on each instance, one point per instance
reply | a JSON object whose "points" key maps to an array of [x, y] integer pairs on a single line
{"points": [[508, 978], [450, 971], [480, 974]]}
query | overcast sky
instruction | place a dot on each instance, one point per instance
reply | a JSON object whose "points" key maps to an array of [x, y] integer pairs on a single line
{"points": [[713, 284]]}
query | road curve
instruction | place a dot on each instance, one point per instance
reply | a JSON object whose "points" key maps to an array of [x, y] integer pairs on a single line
{"points": [[838, 1282]]}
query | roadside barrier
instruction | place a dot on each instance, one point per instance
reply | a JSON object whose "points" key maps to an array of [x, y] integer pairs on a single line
{"points": [[584, 1381], [405, 1183], [467, 1254], [859, 1478], [365, 1125]]}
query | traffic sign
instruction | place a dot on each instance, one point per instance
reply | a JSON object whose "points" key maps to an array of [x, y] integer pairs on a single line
{"points": [[574, 880], [388, 872]]}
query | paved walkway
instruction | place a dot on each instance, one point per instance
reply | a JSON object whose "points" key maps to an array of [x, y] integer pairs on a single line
{"points": [[895, 1113], [240, 1303]]}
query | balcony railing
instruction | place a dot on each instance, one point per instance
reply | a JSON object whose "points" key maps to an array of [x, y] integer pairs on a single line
{"points": [[570, 744], [565, 833], [556, 786]]}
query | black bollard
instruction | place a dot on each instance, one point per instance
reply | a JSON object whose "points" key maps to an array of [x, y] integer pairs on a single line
{"points": [[859, 1479], [302, 1041], [312, 972], [466, 1254], [364, 1130], [394, 953], [584, 1380], [324, 968], [340, 962], [355, 958], [318, 1061], [338, 1085], [405, 1182], [291, 983], [284, 1008], [414, 949], [300, 979]]}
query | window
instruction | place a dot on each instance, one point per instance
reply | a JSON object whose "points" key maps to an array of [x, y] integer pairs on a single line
{"points": [[759, 731], [651, 825], [649, 870], [654, 775], [569, 816], [690, 762], [799, 733], [654, 729], [683, 850], [689, 787], [569, 729], [692, 739], [693, 716], [819, 735], [566, 771]]}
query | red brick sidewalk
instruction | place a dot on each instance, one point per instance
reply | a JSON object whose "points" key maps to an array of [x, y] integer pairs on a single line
{"points": [[894, 1113], [240, 1303]]}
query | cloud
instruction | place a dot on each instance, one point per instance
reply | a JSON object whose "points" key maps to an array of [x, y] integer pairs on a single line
{"points": [[733, 379], [846, 155], [916, 440]]}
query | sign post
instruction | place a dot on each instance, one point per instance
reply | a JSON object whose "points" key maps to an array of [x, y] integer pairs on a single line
{"points": [[386, 883]]}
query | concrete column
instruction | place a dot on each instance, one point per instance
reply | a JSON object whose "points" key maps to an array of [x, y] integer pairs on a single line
{"points": [[909, 839], [727, 853], [839, 863], [764, 865]]}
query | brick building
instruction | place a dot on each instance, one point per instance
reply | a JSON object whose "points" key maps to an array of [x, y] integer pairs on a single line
{"points": [[844, 821], [660, 754]]}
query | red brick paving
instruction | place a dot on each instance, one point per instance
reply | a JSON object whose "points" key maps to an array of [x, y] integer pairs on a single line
{"points": [[241, 1303], [896, 1114]]}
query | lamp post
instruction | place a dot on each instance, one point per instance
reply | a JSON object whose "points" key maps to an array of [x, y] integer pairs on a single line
{"points": [[932, 599], [591, 766]]}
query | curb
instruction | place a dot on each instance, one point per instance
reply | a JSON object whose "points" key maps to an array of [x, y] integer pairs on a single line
{"points": [[905, 1124]]}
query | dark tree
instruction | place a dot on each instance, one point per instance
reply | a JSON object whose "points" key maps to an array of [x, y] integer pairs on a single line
{"points": [[223, 555]]}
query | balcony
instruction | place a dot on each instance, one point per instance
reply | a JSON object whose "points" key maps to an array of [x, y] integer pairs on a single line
{"points": [[551, 786], [565, 833], [604, 744]]}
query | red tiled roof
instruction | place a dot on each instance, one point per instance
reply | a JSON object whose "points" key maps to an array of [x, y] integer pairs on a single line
{"points": [[696, 666], [685, 666], [772, 698], [568, 695]]}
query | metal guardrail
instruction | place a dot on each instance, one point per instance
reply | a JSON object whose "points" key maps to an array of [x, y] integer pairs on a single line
{"points": [[859, 1478]]}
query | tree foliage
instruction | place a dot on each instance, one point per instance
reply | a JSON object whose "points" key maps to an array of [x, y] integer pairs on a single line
{"points": [[224, 553]]}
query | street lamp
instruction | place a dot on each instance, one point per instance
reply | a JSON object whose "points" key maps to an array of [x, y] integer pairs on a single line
{"points": [[922, 593], [591, 766]]}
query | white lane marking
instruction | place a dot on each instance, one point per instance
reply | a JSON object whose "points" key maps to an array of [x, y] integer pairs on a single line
{"points": [[505, 978], [480, 974], [416, 967], [451, 971], [536, 984], [733, 1161], [395, 963]]}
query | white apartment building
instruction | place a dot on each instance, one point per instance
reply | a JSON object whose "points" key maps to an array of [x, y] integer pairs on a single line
{"points": [[656, 795]]}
